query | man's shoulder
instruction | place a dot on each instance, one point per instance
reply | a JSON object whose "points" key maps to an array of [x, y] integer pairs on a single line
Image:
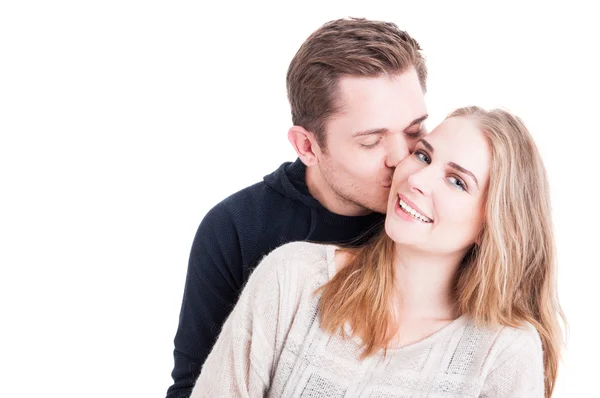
{"points": [[255, 192], [260, 216], [256, 198]]}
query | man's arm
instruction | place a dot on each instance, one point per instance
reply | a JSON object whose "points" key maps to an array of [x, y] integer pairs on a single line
{"points": [[241, 361], [214, 279]]}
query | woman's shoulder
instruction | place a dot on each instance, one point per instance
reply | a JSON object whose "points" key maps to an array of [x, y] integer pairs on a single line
{"points": [[307, 254], [504, 343], [300, 249], [524, 334], [298, 260], [519, 338]]}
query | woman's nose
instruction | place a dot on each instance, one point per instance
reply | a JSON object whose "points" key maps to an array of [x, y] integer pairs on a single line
{"points": [[421, 181]]}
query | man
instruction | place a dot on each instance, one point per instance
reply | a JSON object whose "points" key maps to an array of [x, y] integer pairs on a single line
{"points": [[356, 89]]}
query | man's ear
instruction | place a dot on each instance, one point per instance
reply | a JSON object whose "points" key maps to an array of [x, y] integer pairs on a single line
{"points": [[305, 144]]}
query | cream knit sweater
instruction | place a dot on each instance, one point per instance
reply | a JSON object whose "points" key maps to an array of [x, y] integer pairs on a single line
{"points": [[272, 346]]}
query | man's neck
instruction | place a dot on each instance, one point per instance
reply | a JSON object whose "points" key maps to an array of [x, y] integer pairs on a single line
{"points": [[322, 192]]}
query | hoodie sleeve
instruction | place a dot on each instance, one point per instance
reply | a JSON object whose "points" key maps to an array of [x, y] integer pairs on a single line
{"points": [[213, 281]]}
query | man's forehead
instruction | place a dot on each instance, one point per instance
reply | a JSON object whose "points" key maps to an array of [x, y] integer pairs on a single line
{"points": [[352, 89], [380, 102]]}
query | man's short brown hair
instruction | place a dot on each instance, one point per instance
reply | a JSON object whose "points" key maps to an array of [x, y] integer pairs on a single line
{"points": [[345, 47]]}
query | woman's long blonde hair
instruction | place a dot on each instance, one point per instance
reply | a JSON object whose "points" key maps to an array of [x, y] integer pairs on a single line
{"points": [[508, 278]]}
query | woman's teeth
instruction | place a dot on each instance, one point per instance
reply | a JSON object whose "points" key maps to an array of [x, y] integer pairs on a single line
{"points": [[409, 210]]}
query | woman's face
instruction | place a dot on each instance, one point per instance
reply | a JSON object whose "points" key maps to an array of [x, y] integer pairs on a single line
{"points": [[437, 197]]}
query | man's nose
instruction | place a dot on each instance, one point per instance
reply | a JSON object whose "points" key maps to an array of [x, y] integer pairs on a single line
{"points": [[397, 149]]}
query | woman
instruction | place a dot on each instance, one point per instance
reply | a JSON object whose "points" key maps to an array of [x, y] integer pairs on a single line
{"points": [[455, 298]]}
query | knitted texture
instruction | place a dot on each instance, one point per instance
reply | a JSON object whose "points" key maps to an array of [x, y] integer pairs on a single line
{"points": [[272, 346]]}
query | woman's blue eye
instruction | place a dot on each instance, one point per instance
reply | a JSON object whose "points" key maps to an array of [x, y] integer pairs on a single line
{"points": [[422, 156], [458, 183]]}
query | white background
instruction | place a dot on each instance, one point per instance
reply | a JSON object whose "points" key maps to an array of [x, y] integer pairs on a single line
{"points": [[123, 122]]}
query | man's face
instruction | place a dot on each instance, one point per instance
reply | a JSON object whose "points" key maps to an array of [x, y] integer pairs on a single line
{"points": [[378, 125]]}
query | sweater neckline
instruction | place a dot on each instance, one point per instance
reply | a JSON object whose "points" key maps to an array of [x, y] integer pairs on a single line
{"points": [[424, 342]]}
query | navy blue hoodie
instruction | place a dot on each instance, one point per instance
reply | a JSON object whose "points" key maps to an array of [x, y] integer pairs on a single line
{"points": [[231, 240]]}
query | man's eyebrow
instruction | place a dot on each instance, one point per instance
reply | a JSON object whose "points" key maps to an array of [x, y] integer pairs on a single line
{"points": [[465, 171], [370, 132], [382, 130], [418, 120]]}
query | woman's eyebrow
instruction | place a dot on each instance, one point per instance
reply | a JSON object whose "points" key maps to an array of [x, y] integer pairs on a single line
{"points": [[426, 145], [465, 171]]}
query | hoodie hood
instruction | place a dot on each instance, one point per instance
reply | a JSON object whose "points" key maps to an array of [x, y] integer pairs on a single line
{"points": [[290, 181]]}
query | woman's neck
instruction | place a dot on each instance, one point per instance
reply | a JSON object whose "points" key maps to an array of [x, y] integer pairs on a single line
{"points": [[424, 283]]}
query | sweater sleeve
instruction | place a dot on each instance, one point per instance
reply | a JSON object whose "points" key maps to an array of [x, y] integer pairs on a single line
{"points": [[519, 370], [213, 282], [241, 362]]}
